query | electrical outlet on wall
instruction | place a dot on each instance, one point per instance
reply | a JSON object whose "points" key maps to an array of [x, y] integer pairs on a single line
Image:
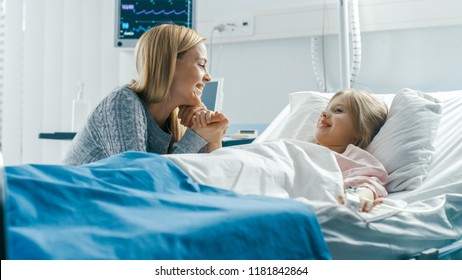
{"points": [[236, 27]]}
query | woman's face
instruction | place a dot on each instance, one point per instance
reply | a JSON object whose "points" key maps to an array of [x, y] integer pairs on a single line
{"points": [[335, 129], [190, 77]]}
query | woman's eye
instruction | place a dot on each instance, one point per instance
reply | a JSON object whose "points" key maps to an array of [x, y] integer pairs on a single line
{"points": [[202, 65]]}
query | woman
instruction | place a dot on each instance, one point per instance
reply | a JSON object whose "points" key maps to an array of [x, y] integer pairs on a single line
{"points": [[347, 126], [161, 111]]}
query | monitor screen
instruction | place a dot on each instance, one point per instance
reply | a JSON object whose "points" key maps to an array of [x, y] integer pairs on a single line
{"points": [[212, 94], [134, 17]]}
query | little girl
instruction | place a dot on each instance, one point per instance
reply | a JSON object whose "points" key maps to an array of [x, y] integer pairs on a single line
{"points": [[347, 126]]}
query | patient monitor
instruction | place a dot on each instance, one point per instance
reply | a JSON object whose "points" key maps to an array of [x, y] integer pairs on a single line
{"points": [[212, 94], [133, 18]]}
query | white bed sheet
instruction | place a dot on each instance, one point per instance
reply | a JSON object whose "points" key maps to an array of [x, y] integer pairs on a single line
{"points": [[307, 172]]}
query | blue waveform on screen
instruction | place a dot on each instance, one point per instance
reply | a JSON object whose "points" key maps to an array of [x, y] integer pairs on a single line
{"points": [[161, 12], [142, 28]]}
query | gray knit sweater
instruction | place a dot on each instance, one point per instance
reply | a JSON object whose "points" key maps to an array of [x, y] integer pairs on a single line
{"points": [[120, 123]]}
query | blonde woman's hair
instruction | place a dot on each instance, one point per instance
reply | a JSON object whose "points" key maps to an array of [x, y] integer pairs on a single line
{"points": [[156, 53], [369, 114]]}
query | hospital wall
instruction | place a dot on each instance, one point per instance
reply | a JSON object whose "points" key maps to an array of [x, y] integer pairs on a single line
{"points": [[69, 41]]}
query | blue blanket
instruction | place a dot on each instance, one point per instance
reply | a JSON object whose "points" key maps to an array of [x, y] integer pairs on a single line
{"points": [[142, 206]]}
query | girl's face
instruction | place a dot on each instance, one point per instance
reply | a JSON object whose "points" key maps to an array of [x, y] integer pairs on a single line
{"points": [[335, 129], [190, 77]]}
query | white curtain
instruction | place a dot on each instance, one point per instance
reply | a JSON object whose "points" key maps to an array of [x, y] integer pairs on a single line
{"points": [[12, 72], [50, 45], [2, 51]]}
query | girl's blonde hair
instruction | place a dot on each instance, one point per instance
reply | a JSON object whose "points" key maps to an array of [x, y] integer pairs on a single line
{"points": [[369, 114], [156, 53]]}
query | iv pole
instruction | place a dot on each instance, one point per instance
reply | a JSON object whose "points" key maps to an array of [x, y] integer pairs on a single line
{"points": [[344, 45]]}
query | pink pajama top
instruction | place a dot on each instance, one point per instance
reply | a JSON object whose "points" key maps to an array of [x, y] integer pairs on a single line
{"points": [[361, 169]]}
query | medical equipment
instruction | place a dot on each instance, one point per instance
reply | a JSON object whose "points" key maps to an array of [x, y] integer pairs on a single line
{"points": [[212, 94], [347, 75], [245, 134], [219, 28], [133, 18], [80, 110], [352, 201]]}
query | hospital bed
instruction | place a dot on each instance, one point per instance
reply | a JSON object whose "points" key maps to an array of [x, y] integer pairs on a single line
{"points": [[421, 148], [272, 199]]}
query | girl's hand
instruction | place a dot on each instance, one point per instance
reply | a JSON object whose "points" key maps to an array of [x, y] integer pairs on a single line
{"points": [[366, 199], [366, 205]]}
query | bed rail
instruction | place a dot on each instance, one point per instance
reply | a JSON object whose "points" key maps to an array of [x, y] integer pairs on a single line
{"points": [[452, 251]]}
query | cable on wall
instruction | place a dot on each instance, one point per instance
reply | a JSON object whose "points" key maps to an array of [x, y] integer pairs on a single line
{"points": [[356, 41], [317, 52], [219, 28]]}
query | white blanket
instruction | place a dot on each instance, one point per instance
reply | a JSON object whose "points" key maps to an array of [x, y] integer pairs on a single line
{"points": [[309, 173], [280, 168]]}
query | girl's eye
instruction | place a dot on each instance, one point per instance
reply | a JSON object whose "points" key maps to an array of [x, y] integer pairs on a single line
{"points": [[338, 110]]}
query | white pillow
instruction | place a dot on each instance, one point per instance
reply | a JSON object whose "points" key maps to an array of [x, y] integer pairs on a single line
{"points": [[298, 119], [305, 109], [404, 145], [446, 166]]}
